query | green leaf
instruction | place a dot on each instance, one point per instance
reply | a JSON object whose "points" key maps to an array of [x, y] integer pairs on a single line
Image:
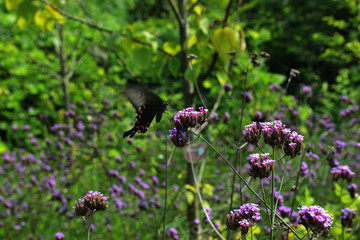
{"points": [[204, 25], [222, 77], [174, 66], [171, 48], [142, 57], [12, 4], [224, 41]]}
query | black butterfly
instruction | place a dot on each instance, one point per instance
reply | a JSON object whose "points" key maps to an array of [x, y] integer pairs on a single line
{"points": [[147, 105]]}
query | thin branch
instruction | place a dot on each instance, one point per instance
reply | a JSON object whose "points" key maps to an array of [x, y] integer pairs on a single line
{"points": [[179, 17], [227, 13]]}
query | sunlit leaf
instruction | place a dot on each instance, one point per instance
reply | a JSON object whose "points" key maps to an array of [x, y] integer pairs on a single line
{"points": [[204, 25], [56, 15], [224, 41], [172, 48], [12, 4]]}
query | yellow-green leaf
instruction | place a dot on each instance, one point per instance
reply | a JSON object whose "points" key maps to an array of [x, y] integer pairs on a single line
{"points": [[12, 4], [222, 78], [44, 20], [224, 40], [172, 48], [208, 189], [56, 15]]}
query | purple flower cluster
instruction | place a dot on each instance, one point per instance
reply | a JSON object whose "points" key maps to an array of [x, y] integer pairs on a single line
{"points": [[347, 216], [342, 172], [316, 219], [183, 120], [252, 133], [59, 236], [260, 165], [285, 211], [352, 189], [91, 202], [249, 212], [276, 135], [304, 169], [173, 233]]}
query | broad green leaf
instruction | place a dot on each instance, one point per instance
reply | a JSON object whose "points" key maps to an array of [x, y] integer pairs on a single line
{"points": [[174, 66], [224, 40], [142, 57], [308, 199]]}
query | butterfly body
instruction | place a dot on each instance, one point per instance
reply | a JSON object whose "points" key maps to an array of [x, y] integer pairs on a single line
{"points": [[147, 105]]}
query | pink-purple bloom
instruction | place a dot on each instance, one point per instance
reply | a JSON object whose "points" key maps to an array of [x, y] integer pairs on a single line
{"points": [[316, 219], [91, 202], [342, 172], [249, 211], [347, 216], [260, 165], [59, 236], [352, 189]]}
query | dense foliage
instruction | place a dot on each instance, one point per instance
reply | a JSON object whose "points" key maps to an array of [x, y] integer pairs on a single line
{"points": [[279, 82]]}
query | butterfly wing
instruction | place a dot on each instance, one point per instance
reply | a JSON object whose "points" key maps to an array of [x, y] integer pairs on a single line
{"points": [[147, 105], [140, 96]]}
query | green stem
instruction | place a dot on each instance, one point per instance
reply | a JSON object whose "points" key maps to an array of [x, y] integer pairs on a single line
{"points": [[247, 185], [267, 209], [273, 211], [89, 227]]}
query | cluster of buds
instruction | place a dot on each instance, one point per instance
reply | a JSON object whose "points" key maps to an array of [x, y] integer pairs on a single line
{"points": [[293, 144], [252, 133], [342, 172], [347, 216], [261, 165], [352, 189], [316, 219], [184, 120], [91, 202], [243, 218], [276, 135], [254, 57]]}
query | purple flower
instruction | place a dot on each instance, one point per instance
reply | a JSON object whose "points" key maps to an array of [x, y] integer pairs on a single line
{"points": [[342, 172], [188, 118], [306, 90], [214, 117], [260, 165], [178, 137], [275, 87], [26, 128], [173, 233], [285, 211], [252, 133], [352, 188], [339, 146], [244, 226], [316, 219], [59, 236], [248, 211], [226, 117], [248, 97], [91, 202], [304, 169], [14, 127], [347, 216], [227, 87]]}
